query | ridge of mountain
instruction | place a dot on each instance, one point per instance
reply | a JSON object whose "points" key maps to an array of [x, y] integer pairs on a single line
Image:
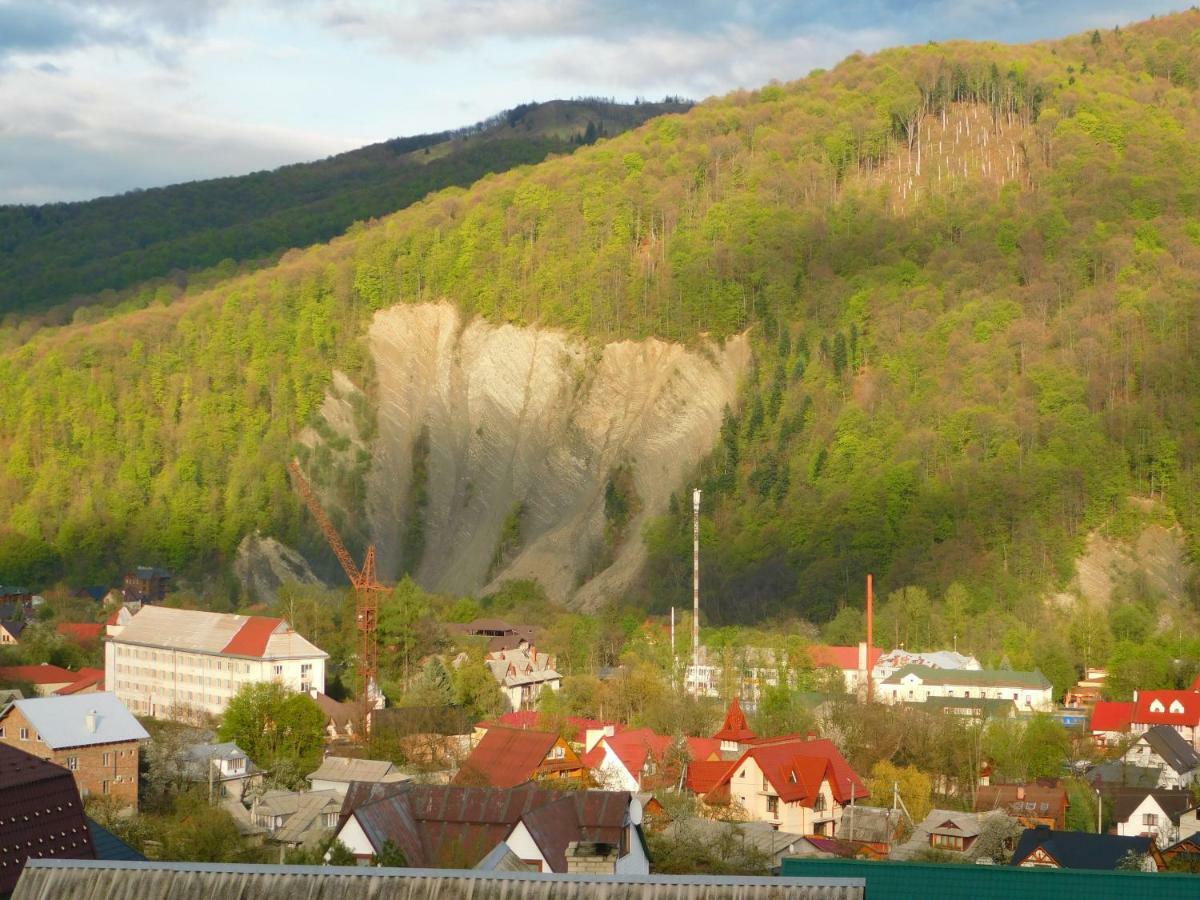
{"points": [[966, 272]]}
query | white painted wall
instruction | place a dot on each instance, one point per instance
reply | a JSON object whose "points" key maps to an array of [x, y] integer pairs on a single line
{"points": [[356, 840], [746, 788], [634, 862], [1163, 832], [521, 842]]}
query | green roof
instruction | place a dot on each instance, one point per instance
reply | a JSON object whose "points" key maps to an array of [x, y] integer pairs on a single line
{"points": [[972, 677], [989, 708], [893, 880]]}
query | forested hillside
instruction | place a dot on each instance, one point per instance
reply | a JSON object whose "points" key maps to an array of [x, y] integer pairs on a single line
{"points": [[969, 272], [51, 253]]}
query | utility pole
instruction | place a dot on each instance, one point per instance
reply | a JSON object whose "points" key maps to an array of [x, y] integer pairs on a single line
{"points": [[696, 577]]}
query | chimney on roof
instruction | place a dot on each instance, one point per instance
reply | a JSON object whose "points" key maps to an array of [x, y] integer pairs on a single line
{"points": [[1020, 792], [89, 722]]}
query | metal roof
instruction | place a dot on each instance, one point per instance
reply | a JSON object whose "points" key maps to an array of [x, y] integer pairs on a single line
{"points": [[345, 768], [63, 721], [975, 677], [506, 757], [226, 634], [105, 880]]}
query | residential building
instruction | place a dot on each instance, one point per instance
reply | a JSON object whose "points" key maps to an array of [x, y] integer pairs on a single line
{"points": [[343, 719], [1112, 722], [225, 768], [889, 663], [971, 836], [1037, 803], [523, 673], [1044, 847], [297, 818], [1189, 822], [1150, 813], [10, 631], [81, 632], [438, 826], [93, 736], [873, 825], [638, 759], [507, 757], [45, 878], [853, 662], [499, 633], [41, 814], [1030, 691], [735, 734], [148, 584], [1185, 852], [337, 773], [801, 786], [47, 679], [586, 733], [771, 842], [1178, 709], [181, 663], [1089, 690], [1163, 748]]}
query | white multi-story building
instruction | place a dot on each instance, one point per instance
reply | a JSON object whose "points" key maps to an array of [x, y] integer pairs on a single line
{"points": [[178, 663], [1029, 691]]}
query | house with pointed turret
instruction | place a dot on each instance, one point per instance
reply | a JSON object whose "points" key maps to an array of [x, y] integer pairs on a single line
{"points": [[735, 733]]}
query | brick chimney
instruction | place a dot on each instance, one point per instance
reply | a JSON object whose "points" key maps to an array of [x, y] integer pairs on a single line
{"points": [[591, 858]]}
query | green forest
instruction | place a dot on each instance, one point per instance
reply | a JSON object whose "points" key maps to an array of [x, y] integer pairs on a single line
{"points": [[969, 272], [53, 254]]}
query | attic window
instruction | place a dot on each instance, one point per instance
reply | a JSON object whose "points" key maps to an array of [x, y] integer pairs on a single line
{"points": [[1156, 706], [1176, 706], [792, 776]]}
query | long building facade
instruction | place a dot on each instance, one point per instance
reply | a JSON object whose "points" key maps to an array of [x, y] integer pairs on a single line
{"points": [[181, 664]]}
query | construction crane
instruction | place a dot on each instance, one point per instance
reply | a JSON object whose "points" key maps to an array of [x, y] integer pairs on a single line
{"points": [[366, 587]]}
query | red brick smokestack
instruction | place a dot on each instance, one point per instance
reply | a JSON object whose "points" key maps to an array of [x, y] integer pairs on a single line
{"points": [[870, 633]]}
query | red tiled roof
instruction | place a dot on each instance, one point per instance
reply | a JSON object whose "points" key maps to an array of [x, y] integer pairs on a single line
{"points": [[1189, 701], [704, 775], [43, 674], [1109, 715], [810, 761], [86, 678], [632, 747], [531, 718], [841, 657], [735, 728], [251, 639], [43, 814], [506, 757], [80, 631], [700, 748]]}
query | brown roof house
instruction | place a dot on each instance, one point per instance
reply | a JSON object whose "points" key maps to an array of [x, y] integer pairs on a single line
{"points": [[297, 818], [93, 736], [444, 826], [40, 815], [507, 757], [1030, 804]]}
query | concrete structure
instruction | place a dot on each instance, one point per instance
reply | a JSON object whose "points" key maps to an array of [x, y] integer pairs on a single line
{"points": [[93, 736], [180, 664], [1030, 691]]}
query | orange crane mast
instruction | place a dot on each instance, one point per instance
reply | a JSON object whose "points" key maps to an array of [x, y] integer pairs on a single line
{"points": [[366, 587]]}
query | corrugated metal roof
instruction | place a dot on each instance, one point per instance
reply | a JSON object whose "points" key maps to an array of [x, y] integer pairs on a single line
{"points": [[63, 721], [103, 880], [345, 768], [506, 757]]}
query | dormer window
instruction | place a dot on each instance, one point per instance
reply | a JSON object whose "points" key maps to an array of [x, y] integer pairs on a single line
{"points": [[1156, 706], [792, 776], [1176, 706]]}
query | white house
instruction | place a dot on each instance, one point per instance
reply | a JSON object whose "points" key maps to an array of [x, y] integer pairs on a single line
{"points": [[1139, 812], [1164, 749], [523, 673], [225, 768], [175, 663], [1029, 691]]}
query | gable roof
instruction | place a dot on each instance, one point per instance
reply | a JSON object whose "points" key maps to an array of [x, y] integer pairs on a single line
{"points": [[507, 757], [1034, 680], [108, 846], [437, 825], [1112, 715], [43, 674], [532, 718], [63, 721], [13, 626], [227, 634], [43, 815], [1172, 802], [1023, 800], [1170, 746], [796, 768], [703, 775], [735, 728], [1079, 849], [81, 631], [345, 768], [1167, 708], [85, 678]]}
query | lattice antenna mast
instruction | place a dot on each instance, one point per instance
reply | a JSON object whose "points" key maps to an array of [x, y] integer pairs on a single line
{"points": [[366, 606]]}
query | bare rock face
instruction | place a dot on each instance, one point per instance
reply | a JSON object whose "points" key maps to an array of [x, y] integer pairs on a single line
{"points": [[517, 435], [1156, 560], [263, 565]]}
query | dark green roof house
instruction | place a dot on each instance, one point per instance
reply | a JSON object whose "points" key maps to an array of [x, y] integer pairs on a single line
{"points": [[1028, 691]]}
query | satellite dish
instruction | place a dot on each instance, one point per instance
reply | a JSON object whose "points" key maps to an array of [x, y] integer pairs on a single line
{"points": [[635, 811]]}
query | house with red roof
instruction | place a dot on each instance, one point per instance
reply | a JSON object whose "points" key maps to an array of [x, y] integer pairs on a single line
{"points": [[582, 733], [735, 733], [853, 662], [507, 757], [799, 786], [1179, 709], [183, 663], [1112, 722], [638, 759], [49, 680], [81, 632]]}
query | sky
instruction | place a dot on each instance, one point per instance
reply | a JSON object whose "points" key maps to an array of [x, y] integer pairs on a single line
{"points": [[104, 96]]}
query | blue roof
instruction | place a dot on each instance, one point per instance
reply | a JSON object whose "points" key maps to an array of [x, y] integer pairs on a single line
{"points": [[1081, 850], [108, 846]]}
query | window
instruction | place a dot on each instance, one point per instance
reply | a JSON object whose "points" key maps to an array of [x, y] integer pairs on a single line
{"points": [[773, 806], [107, 757], [1150, 820], [73, 763], [819, 803], [24, 734], [278, 670], [766, 784], [305, 668], [946, 841], [1, 732], [104, 787], [557, 753]]}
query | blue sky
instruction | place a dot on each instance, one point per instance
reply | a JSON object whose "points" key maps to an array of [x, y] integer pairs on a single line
{"points": [[103, 96]]}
